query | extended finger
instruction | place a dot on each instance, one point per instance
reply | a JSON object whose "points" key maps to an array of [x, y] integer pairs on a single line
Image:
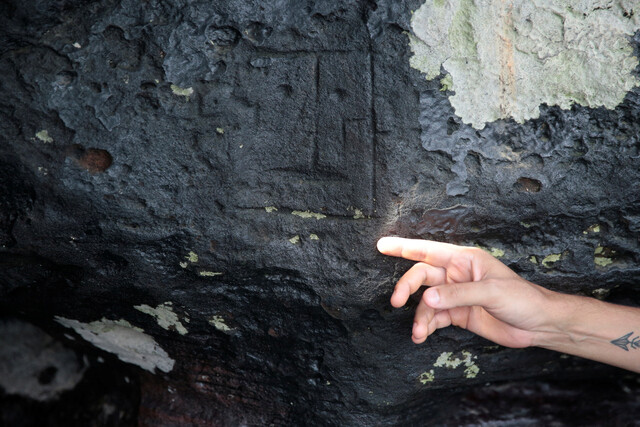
{"points": [[418, 275], [435, 253]]}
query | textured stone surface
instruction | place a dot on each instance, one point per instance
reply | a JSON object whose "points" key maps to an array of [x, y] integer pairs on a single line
{"points": [[240, 159]]}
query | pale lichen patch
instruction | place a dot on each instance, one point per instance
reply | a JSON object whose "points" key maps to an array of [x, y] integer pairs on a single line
{"points": [[165, 316], [205, 273], [192, 257], [43, 136], [551, 259], [219, 323], [270, 209], [595, 228], [313, 237], [446, 360], [295, 239], [603, 256], [186, 92], [427, 377], [506, 59], [128, 342], [308, 214], [220, 131], [357, 214]]}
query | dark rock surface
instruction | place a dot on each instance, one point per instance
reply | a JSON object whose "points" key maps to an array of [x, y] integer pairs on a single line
{"points": [[274, 143]]}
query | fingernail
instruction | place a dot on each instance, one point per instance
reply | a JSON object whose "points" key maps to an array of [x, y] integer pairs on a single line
{"points": [[433, 296]]}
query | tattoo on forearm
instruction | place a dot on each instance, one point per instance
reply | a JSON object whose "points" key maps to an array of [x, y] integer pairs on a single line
{"points": [[626, 341]]}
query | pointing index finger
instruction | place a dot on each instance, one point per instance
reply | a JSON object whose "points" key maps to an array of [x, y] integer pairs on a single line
{"points": [[434, 253]]}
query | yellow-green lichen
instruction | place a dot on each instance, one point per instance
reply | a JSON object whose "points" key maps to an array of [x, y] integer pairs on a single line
{"points": [[357, 214], [313, 237], [43, 136], [446, 82], [308, 214], [220, 131], [427, 377], [525, 224], [270, 209], [205, 273], [603, 256], [551, 259], [295, 239], [533, 259], [219, 323], [496, 252], [471, 371], [595, 228], [192, 257], [446, 360], [186, 92]]}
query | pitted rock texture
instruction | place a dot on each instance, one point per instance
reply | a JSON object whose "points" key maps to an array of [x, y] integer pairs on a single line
{"points": [[240, 159]]}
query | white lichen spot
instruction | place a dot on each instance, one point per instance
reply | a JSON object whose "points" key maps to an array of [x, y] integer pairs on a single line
{"points": [[357, 214], [220, 131], [295, 239], [128, 342], [77, 45], [184, 264], [505, 59], [308, 214], [551, 259], [427, 377], [219, 323], [43, 170], [186, 92], [270, 209], [165, 316], [313, 237], [43, 136], [205, 273]]}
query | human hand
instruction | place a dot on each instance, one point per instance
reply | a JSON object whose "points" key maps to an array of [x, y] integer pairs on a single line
{"points": [[471, 289]]}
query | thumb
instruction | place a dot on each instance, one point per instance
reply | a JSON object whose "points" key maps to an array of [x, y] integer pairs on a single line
{"points": [[483, 293]]}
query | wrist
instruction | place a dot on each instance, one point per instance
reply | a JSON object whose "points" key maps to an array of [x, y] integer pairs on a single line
{"points": [[572, 320]]}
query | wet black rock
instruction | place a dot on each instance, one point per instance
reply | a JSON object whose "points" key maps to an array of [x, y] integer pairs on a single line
{"points": [[239, 160]]}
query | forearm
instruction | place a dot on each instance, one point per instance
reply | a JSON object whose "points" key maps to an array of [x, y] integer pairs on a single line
{"points": [[595, 330]]}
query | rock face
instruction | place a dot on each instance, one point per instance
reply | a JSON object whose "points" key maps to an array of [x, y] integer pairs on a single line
{"points": [[216, 174]]}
